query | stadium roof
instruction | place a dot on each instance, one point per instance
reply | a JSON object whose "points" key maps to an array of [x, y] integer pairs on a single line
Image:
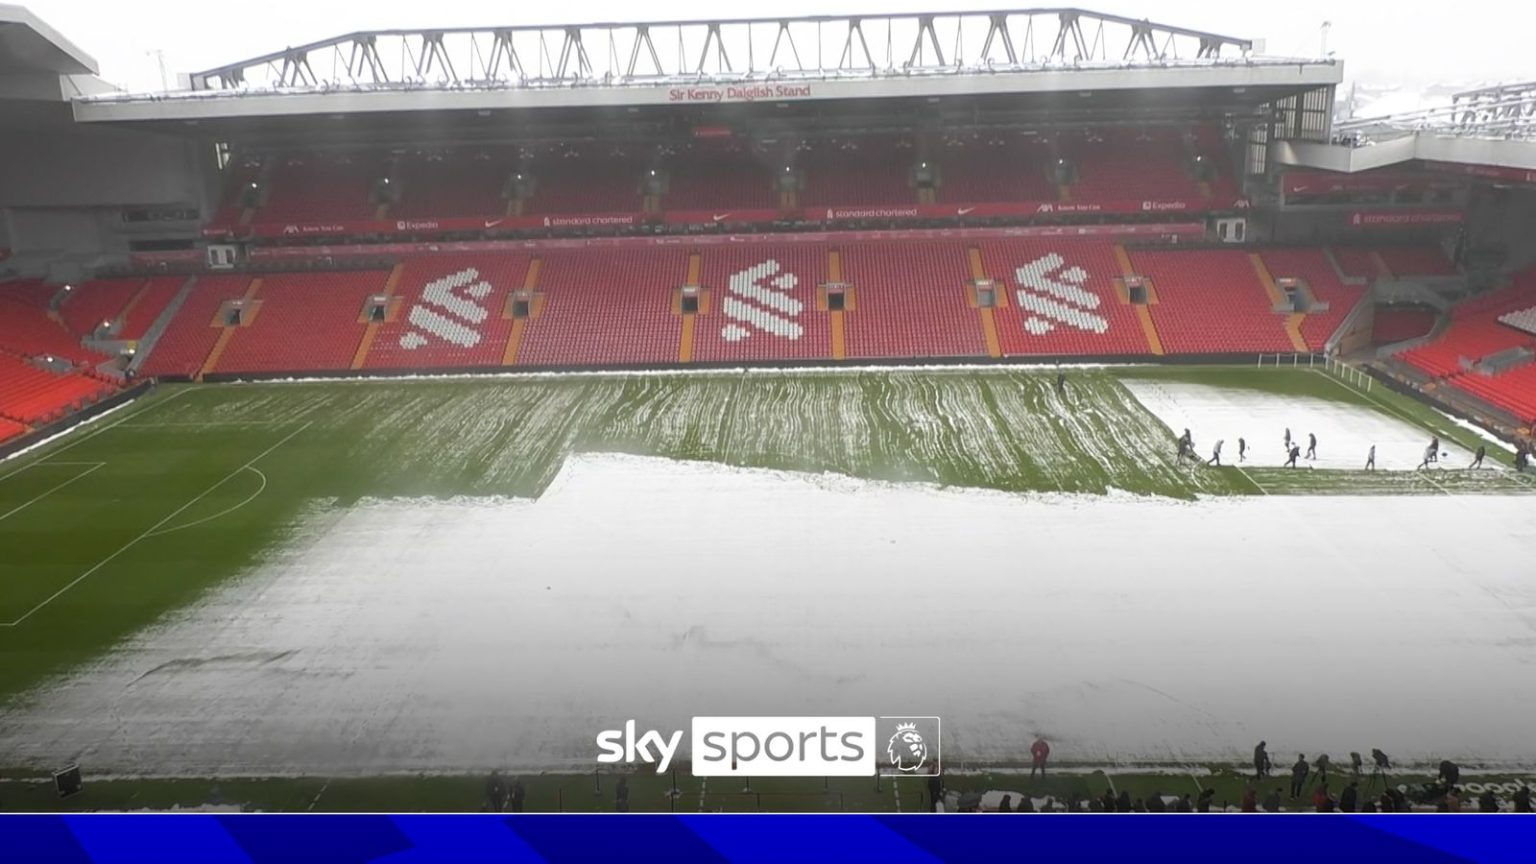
{"points": [[28, 44], [703, 63], [1492, 128]]}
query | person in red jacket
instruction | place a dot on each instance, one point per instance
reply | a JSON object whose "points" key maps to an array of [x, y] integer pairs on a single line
{"points": [[1040, 751], [1250, 800]]}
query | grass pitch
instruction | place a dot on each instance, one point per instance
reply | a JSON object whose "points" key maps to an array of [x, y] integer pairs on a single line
{"points": [[105, 530]]}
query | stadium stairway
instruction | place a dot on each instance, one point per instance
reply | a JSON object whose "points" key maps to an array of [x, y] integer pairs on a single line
{"points": [[685, 338], [1143, 310], [449, 311], [371, 327], [1277, 300], [535, 309], [988, 319], [307, 322], [227, 331]]}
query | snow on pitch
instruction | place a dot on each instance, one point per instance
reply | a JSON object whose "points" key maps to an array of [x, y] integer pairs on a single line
{"points": [[1345, 432], [456, 635]]}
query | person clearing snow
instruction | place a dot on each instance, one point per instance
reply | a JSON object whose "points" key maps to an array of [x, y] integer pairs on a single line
{"points": [[1216, 454], [1242, 449], [1311, 446], [1477, 458], [1370, 459], [1295, 454], [1431, 454]]}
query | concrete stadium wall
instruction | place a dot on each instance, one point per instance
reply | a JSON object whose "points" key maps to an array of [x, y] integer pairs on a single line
{"points": [[1504, 218], [85, 166], [64, 189]]}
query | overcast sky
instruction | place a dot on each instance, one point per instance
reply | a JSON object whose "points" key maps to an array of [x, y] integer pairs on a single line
{"points": [[1380, 42]]}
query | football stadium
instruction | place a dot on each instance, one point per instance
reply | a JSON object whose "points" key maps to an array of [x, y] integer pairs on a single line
{"points": [[384, 419]]}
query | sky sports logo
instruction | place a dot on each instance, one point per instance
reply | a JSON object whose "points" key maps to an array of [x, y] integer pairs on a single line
{"points": [[784, 746]]}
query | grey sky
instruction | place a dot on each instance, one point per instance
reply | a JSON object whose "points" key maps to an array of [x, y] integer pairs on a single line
{"points": [[1380, 42]]}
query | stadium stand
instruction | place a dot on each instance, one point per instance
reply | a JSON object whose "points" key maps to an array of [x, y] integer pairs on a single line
{"points": [[1116, 166], [31, 395], [306, 322], [1048, 313], [1475, 331], [96, 302], [29, 327], [755, 312], [1211, 302], [705, 179], [605, 306], [238, 177], [437, 184], [858, 172], [1313, 267], [996, 169], [185, 345], [147, 306], [453, 328], [1514, 391], [1400, 323], [911, 301], [10, 429], [586, 185], [312, 188]]}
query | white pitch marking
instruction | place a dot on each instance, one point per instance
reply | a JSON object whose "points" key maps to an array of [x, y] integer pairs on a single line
{"points": [[260, 489], [155, 527], [93, 434], [93, 467], [1256, 484]]}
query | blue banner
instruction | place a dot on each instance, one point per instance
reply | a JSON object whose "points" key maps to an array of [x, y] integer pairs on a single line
{"points": [[633, 839]]}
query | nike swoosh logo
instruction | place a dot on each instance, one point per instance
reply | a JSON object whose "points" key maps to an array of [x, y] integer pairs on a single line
{"points": [[964, 210], [492, 223], [719, 216]]}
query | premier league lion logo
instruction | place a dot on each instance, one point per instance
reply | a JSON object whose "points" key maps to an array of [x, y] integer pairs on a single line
{"points": [[907, 750]]}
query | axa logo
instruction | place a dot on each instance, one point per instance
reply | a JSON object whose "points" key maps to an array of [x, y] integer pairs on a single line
{"points": [[1052, 294], [449, 311], [1046, 208], [757, 300]]}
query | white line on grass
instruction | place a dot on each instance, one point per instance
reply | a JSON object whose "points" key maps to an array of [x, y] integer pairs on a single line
{"points": [[34, 464], [1256, 484], [225, 512], [88, 436], [1390, 409], [155, 527], [94, 466]]}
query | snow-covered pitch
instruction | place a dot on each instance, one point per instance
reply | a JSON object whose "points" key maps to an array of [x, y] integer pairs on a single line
{"points": [[401, 632]]}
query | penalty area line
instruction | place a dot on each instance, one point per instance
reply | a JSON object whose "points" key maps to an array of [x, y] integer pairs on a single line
{"points": [[141, 409], [1249, 477], [155, 527], [81, 475]]}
